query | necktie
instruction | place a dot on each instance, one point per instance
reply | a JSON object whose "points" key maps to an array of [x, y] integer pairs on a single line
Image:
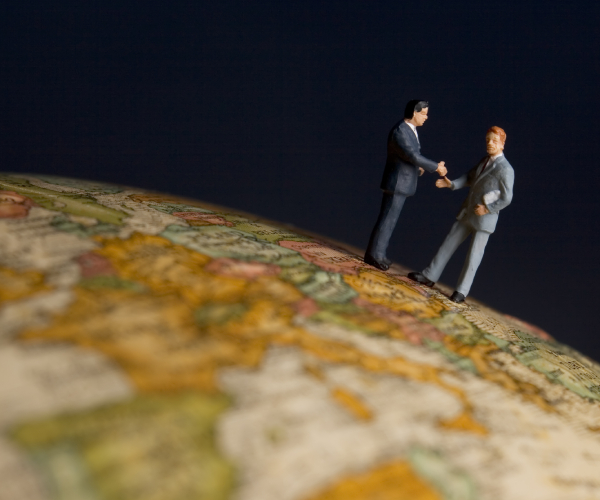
{"points": [[485, 165]]}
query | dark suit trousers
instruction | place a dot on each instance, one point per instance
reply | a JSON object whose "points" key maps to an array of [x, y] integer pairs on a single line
{"points": [[391, 206]]}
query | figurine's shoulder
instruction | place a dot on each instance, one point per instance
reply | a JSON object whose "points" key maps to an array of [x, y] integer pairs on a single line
{"points": [[399, 134], [400, 127], [503, 163], [504, 170]]}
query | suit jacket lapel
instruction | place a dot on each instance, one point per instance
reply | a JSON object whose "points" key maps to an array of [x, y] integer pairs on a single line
{"points": [[488, 169], [413, 137]]}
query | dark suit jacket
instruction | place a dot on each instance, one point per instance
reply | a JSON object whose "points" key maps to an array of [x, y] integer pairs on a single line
{"points": [[403, 159]]}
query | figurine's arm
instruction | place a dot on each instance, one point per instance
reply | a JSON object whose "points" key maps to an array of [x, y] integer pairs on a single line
{"points": [[466, 179], [460, 183], [412, 155], [444, 182]]}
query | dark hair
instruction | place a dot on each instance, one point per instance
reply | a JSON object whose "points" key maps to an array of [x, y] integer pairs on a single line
{"points": [[416, 105]]}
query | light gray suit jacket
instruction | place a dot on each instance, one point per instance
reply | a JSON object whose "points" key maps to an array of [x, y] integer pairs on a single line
{"points": [[493, 188]]}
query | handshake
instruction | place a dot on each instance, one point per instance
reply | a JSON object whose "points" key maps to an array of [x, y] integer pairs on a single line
{"points": [[444, 182], [442, 170]]}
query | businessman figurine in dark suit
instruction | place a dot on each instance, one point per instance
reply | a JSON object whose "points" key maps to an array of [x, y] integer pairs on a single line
{"points": [[404, 164]]}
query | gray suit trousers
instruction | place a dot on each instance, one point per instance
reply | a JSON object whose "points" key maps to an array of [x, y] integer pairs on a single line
{"points": [[456, 236]]}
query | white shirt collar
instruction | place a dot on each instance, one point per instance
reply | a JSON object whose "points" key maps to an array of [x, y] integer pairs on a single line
{"points": [[414, 129], [496, 156]]}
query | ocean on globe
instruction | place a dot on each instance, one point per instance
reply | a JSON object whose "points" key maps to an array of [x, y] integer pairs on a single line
{"points": [[160, 348]]}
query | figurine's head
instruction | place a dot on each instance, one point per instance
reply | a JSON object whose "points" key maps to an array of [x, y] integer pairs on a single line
{"points": [[495, 139], [416, 112]]}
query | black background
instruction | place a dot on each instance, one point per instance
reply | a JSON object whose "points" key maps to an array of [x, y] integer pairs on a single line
{"points": [[282, 109]]}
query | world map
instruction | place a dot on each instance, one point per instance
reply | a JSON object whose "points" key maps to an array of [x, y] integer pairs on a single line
{"points": [[155, 347]]}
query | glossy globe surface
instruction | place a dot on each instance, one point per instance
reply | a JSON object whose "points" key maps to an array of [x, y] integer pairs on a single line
{"points": [[153, 347]]}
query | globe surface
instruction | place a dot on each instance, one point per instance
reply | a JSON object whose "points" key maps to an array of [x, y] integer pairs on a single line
{"points": [[154, 347]]}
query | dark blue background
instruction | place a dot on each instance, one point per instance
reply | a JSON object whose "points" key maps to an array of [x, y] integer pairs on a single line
{"points": [[282, 109]]}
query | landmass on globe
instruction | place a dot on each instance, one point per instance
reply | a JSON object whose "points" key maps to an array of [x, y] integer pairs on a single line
{"points": [[154, 347]]}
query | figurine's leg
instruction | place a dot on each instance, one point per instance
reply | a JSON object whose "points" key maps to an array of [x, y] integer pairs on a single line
{"points": [[478, 242], [456, 236], [391, 206]]}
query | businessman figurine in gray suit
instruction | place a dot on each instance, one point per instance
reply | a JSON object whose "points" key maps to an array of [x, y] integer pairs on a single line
{"points": [[399, 181], [491, 182]]}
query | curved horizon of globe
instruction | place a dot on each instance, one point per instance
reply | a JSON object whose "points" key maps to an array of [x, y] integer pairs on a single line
{"points": [[273, 334]]}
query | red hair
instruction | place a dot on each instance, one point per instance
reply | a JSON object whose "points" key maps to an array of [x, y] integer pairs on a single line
{"points": [[499, 132]]}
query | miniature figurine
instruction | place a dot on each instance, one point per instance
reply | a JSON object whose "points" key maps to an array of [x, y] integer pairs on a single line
{"points": [[491, 182], [400, 178]]}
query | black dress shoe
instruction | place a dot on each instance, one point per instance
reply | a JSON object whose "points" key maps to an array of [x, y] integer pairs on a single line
{"points": [[457, 297], [419, 278], [379, 264]]}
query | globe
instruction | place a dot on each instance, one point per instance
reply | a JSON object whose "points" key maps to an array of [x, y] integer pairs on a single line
{"points": [[154, 347]]}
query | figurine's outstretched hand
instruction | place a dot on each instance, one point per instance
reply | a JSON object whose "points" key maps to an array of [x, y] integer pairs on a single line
{"points": [[444, 182], [442, 170]]}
